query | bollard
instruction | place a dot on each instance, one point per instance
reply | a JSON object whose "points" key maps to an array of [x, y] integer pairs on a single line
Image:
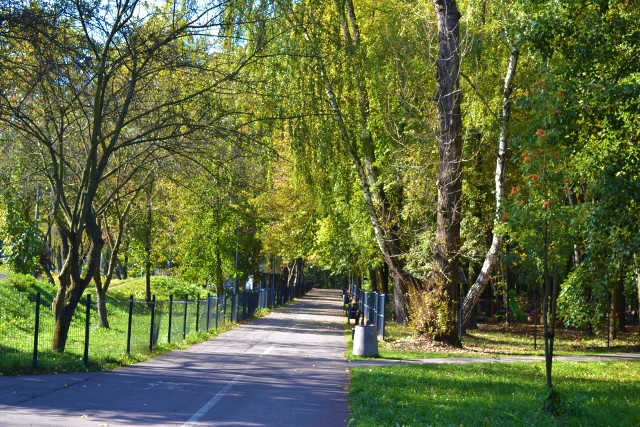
{"points": [[365, 341]]}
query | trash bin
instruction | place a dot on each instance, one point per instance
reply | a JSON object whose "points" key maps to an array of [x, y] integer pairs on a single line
{"points": [[365, 341]]}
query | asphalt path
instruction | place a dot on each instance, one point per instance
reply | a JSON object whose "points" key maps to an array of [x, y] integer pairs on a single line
{"points": [[286, 369]]}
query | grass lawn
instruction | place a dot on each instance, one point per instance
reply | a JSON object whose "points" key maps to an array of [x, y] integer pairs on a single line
{"points": [[590, 394], [508, 394]]}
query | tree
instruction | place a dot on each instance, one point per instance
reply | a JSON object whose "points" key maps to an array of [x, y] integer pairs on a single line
{"points": [[88, 90], [444, 294], [114, 222], [593, 98], [491, 258], [327, 38]]}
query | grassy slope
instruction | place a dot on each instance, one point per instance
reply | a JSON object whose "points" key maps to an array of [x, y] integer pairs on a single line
{"points": [[107, 346]]}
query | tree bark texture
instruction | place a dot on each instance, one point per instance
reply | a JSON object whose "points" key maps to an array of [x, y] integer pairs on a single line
{"points": [[491, 258], [450, 156], [71, 282], [101, 303]]}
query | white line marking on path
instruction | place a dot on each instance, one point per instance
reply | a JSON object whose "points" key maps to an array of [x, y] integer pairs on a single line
{"points": [[222, 393]]}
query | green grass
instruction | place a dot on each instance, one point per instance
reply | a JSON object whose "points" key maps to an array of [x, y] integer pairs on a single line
{"points": [[107, 347], [494, 394], [590, 394]]}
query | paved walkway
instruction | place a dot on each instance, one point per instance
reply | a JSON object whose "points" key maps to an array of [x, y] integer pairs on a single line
{"points": [[287, 369]]}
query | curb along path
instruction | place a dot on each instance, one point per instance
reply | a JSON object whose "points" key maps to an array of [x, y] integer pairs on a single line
{"points": [[285, 369]]}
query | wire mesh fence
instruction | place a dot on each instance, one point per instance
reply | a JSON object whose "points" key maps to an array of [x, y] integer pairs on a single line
{"points": [[134, 326]]}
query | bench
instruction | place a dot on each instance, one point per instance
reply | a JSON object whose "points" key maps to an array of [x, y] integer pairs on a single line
{"points": [[353, 312]]}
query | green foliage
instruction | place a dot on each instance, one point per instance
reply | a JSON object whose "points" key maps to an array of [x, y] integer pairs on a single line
{"points": [[22, 240], [584, 299], [587, 100], [28, 284], [259, 165]]}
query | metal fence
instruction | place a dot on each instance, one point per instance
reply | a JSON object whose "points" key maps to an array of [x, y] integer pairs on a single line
{"points": [[372, 306], [135, 326]]}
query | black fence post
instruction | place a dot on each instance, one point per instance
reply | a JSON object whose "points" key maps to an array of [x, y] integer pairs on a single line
{"points": [[85, 358], [208, 309], [170, 318], [129, 324], [184, 318], [153, 318], [197, 313], [36, 331]]}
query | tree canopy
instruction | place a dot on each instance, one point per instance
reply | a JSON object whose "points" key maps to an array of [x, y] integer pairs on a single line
{"points": [[419, 142]]}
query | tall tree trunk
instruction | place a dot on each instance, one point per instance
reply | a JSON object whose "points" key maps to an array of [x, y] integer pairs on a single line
{"points": [[124, 266], [491, 258], [373, 279], [299, 271], [110, 266], [293, 273], [62, 325], [382, 274], [450, 175], [381, 212]]}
